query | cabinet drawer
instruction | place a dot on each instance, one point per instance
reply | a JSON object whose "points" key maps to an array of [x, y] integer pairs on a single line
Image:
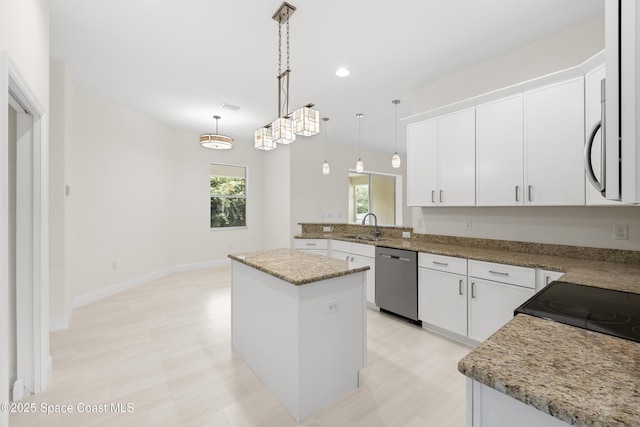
{"points": [[521, 276], [363, 249], [442, 263], [310, 244], [339, 245]]}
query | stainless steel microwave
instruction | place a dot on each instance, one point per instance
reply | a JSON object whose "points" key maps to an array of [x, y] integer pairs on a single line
{"points": [[620, 172]]}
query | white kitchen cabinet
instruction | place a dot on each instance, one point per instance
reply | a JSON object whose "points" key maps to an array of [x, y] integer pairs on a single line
{"points": [[554, 144], [442, 292], [358, 255], [495, 291], [457, 158], [315, 246], [544, 277], [441, 160], [491, 305], [487, 407], [500, 153], [422, 163], [442, 300]]}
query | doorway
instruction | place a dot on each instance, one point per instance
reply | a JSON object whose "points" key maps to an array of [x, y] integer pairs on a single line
{"points": [[24, 324]]}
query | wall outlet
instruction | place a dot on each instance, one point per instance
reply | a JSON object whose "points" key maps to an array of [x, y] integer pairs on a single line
{"points": [[326, 229], [468, 226], [333, 306], [406, 234], [420, 222], [621, 232]]}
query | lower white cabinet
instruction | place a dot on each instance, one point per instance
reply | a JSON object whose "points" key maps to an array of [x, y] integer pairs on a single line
{"points": [[442, 300], [316, 246], [491, 305], [544, 277], [358, 255], [471, 299], [487, 407]]}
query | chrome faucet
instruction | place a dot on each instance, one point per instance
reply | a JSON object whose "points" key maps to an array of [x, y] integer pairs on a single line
{"points": [[376, 231]]}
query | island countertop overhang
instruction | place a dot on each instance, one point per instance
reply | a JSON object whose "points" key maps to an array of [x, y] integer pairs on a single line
{"points": [[296, 267]]}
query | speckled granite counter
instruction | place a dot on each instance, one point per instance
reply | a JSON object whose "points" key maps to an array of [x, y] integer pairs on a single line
{"points": [[581, 377], [296, 267], [605, 274]]}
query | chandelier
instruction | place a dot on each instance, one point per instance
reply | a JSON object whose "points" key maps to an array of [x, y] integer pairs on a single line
{"points": [[304, 121], [215, 140]]}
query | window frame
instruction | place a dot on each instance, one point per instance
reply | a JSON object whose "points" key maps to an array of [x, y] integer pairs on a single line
{"points": [[245, 197], [397, 193]]}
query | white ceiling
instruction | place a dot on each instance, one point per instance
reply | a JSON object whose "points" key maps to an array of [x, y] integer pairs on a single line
{"points": [[179, 61]]}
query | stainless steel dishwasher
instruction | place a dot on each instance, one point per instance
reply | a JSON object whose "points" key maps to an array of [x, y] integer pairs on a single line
{"points": [[397, 282]]}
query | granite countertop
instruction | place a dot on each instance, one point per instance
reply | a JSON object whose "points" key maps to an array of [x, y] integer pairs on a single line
{"points": [[612, 275], [582, 377], [296, 267]]}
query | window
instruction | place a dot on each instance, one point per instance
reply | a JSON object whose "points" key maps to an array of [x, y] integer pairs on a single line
{"points": [[228, 196], [370, 192]]}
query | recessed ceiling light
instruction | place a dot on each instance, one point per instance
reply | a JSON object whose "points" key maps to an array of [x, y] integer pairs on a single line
{"points": [[342, 72]]}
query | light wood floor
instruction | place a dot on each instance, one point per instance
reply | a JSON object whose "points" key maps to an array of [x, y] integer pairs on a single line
{"points": [[164, 347]]}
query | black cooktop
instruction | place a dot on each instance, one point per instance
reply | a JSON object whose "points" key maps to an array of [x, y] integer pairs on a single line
{"points": [[607, 311]]}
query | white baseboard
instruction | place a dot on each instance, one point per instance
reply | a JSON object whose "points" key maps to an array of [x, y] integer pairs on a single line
{"points": [[59, 323]]}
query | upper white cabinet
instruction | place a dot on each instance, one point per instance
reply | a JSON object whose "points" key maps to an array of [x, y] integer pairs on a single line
{"points": [[500, 152], [422, 163], [456, 155], [554, 144], [441, 160]]}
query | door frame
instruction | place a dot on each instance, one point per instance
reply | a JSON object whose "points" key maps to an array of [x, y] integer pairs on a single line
{"points": [[12, 83]]}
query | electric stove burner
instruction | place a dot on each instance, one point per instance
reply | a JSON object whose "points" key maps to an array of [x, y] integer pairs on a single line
{"points": [[602, 310]]}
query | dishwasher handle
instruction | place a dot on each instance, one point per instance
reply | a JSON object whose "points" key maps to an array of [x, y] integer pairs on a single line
{"points": [[395, 257]]}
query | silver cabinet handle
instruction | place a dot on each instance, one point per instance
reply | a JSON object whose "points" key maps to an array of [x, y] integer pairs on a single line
{"points": [[498, 272], [547, 280], [433, 196], [347, 258], [588, 166], [441, 195], [529, 189], [473, 289], [517, 188], [460, 287], [311, 244], [444, 264]]}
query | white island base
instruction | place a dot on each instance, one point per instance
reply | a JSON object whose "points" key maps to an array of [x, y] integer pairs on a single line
{"points": [[307, 343]]}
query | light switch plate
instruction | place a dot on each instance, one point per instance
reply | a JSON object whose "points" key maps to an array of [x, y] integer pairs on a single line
{"points": [[326, 229]]}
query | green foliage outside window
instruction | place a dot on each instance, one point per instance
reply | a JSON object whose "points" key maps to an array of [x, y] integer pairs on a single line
{"points": [[228, 202], [362, 199]]}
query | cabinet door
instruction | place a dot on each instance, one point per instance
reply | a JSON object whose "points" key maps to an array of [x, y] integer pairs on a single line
{"points": [[359, 261], [422, 163], [457, 158], [491, 305], [554, 144], [500, 153], [442, 300], [544, 277]]}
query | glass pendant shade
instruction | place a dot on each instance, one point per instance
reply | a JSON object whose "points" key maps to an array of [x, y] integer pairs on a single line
{"points": [[306, 121], [264, 140], [395, 161], [282, 130], [359, 166], [216, 142], [325, 168]]}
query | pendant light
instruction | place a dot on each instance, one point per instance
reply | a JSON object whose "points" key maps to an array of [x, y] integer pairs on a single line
{"points": [[304, 121], [215, 140], [395, 160], [325, 165], [359, 163]]}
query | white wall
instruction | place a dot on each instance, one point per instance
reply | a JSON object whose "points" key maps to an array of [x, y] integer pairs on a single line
{"points": [[562, 50], [582, 226], [316, 197]]}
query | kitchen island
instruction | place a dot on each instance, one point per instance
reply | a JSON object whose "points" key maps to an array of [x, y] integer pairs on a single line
{"points": [[299, 322]]}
